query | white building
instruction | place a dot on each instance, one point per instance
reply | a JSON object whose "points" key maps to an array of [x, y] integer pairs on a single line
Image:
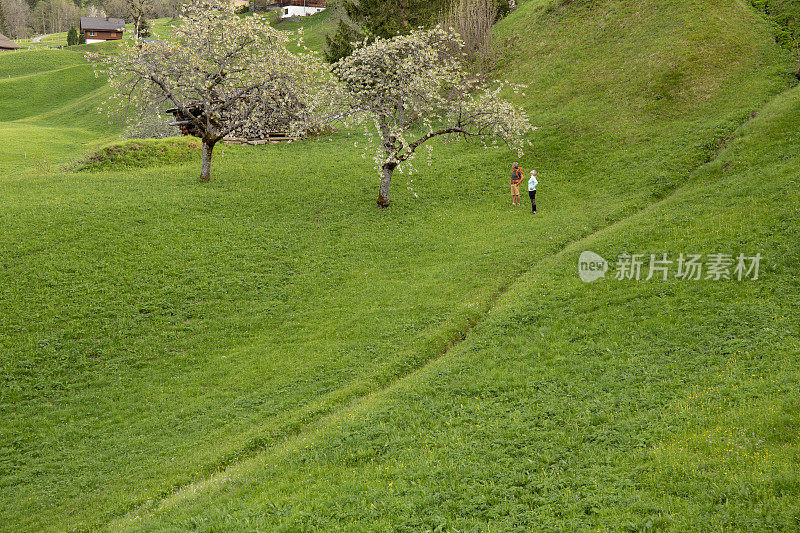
{"points": [[300, 8]]}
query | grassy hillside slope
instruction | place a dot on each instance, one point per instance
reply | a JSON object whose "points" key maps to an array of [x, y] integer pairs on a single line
{"points": [[314, 28], [48, 107], [621, 405], [42, 60], [160, 330]]}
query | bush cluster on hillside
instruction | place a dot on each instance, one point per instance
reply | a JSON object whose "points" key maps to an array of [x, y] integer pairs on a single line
{"points": [[134, 154]]}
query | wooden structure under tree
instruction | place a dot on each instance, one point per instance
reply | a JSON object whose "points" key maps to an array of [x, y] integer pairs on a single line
{"points": [[273, 137], [184, 121]]}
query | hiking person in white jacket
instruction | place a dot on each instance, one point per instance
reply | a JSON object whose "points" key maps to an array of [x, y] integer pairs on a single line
{"points": [[532, 183]]}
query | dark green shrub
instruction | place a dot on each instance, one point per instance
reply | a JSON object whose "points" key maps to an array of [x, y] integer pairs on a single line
{"points": [[72, 37], [339, 44]]}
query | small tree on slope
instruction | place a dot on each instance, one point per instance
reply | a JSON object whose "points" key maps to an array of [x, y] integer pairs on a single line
{"points": [[133, 10], [72, 36], [221, 73], [414, 88]]}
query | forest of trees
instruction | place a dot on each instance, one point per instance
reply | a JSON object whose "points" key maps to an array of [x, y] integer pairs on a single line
{"points": [[23, 18], [364, 18], [386, 18]]}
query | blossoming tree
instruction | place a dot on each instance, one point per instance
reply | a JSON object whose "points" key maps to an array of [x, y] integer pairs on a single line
{"points": [[221, 73], [414, 88]]}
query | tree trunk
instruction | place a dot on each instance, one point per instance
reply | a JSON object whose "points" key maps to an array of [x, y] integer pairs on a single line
{"points": [[386, 182], [404, 13], [205, 169]]}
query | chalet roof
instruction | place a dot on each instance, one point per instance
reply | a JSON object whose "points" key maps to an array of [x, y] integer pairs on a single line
{"points": [[102, 24], [8, 44]]}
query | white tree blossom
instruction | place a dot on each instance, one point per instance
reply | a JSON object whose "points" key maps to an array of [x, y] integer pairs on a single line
{"points": [[221, 73], [414, 88]]}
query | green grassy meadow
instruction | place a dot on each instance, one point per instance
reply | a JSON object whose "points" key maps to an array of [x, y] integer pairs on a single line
{"points": [[269, 352], [314, 29]]}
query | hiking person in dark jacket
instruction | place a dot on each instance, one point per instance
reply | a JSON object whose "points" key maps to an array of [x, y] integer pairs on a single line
{"points": [[516, 179]]}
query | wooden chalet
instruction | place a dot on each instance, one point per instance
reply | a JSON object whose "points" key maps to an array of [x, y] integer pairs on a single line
{"points": [[8, 44], [99, 29]]}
